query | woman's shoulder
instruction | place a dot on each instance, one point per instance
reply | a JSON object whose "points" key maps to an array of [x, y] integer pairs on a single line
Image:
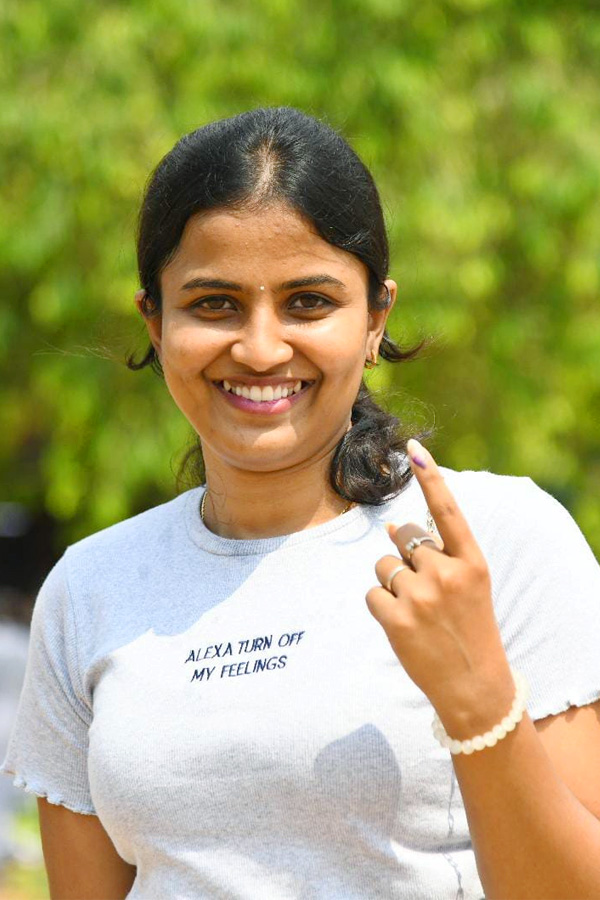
{"points": [[499, 497], [146, 531], [513, 517], [479, 492], [500, 509], [474, 480], [504, 505], [483, 488]]}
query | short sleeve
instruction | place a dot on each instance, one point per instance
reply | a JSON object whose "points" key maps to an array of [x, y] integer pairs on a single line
{"points": [[48, 745], [546, 587]]}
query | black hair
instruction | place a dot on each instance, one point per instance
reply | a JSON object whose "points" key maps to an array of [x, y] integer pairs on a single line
{"points": [[271, 155]]}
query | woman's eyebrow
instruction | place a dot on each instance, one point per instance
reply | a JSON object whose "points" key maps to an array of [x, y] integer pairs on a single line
{"points": [[311, 281], [220, 284], [211, 283]]}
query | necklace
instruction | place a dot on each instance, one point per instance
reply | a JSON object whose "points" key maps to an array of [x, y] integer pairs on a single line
{"points": [[345, 510]]}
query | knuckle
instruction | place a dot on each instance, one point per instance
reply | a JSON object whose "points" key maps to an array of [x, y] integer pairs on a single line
{"points": [[371, 596], [424, 596], [451, 579], [385, 565], [426, 609], [372, 606], [481, 569], [477, 571], [377, 600]]}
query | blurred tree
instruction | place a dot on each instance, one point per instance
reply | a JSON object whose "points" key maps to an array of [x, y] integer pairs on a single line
{"points": [[481, 122]]}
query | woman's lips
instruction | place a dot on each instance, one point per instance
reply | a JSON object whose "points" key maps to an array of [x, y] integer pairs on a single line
{"points": [[263, 407]]}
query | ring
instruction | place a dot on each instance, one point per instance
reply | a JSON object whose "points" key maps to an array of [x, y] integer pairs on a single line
{"points": [[388, 585], [415, 542]]}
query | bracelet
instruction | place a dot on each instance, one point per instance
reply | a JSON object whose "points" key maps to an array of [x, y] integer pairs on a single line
{"points": [[490, 738]]}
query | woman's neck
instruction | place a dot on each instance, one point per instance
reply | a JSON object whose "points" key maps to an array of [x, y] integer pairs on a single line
{"points": [[251, 505]]}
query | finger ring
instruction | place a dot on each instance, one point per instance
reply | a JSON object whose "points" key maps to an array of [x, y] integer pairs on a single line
{"points": [[415, 542], [388, 584]]}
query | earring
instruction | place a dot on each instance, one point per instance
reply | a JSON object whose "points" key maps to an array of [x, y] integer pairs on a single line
{"points": [[148, 305], [371, 363]]}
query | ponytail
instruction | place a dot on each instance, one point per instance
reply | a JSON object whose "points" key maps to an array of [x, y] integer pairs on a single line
{"points": [[366, 467]]}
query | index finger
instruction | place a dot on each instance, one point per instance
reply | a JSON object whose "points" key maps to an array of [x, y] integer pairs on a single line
{"points": [[453, 527]]}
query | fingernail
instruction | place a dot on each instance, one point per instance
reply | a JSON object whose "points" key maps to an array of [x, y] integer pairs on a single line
{"points": [[416, 452]]}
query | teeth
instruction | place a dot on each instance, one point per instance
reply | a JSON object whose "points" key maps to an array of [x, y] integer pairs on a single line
{"points": [[262, 395]]}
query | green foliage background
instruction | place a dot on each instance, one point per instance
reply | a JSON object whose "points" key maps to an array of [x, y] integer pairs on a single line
{"points": [[480, 120]]}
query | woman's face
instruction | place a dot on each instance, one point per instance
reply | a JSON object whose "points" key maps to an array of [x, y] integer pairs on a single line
{"points": [[260, 301]]}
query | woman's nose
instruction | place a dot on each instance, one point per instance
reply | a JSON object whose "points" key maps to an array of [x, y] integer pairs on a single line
{"points": [[261, 343]]}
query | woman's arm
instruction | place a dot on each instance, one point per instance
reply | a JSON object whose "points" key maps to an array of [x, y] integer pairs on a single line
{"points": [[532, 802], [81, 860]]}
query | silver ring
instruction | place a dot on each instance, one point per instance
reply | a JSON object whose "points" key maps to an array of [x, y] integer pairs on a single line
{"points": [[415, 542], [388, 585]]}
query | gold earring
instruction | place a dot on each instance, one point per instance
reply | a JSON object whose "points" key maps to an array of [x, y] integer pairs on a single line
{"points": [[371, 363]]}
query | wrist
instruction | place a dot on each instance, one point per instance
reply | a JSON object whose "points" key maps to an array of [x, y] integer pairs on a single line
{"points": [[477, 706], [489, 738]]}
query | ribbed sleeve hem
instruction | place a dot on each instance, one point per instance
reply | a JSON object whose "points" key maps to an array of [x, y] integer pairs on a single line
{"points": [[31, 787], [569, 698]]}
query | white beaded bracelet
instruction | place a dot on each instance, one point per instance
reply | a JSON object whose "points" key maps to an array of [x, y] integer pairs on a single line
{"points": [[490, 738]]}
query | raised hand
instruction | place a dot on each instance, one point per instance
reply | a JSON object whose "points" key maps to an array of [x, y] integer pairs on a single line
{"points": [[438, 612]]}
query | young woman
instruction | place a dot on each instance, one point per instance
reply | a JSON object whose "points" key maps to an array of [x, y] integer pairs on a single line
{"points": [[231, 695]]}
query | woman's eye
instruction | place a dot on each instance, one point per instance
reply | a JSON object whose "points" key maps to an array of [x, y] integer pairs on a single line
{"points": [[312, 301], [211, 303], [304, 302]]}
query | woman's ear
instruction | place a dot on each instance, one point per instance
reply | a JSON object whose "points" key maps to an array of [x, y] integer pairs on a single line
{"points": [[145, 305], [378, 317], [392, 289]]}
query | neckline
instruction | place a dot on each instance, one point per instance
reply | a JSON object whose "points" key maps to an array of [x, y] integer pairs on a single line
{"points": [[351, 523]]}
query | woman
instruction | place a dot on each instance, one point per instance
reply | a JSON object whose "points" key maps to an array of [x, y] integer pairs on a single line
{"points": [[219, 703]]}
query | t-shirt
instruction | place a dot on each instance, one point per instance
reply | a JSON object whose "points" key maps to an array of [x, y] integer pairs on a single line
{"points": [[238, 720]]}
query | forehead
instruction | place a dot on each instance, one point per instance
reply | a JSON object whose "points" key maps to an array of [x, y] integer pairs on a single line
{"points": [[257, 244]]}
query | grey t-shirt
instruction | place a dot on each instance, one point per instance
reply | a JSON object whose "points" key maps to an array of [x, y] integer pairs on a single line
{"points": [[237, 718]]}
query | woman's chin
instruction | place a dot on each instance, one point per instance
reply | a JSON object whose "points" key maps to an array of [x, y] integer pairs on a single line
{"points": [[259, 456]]}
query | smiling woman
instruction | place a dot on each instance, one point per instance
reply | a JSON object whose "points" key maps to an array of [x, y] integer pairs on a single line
{"points": [[218, 702], [263, 260]]}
